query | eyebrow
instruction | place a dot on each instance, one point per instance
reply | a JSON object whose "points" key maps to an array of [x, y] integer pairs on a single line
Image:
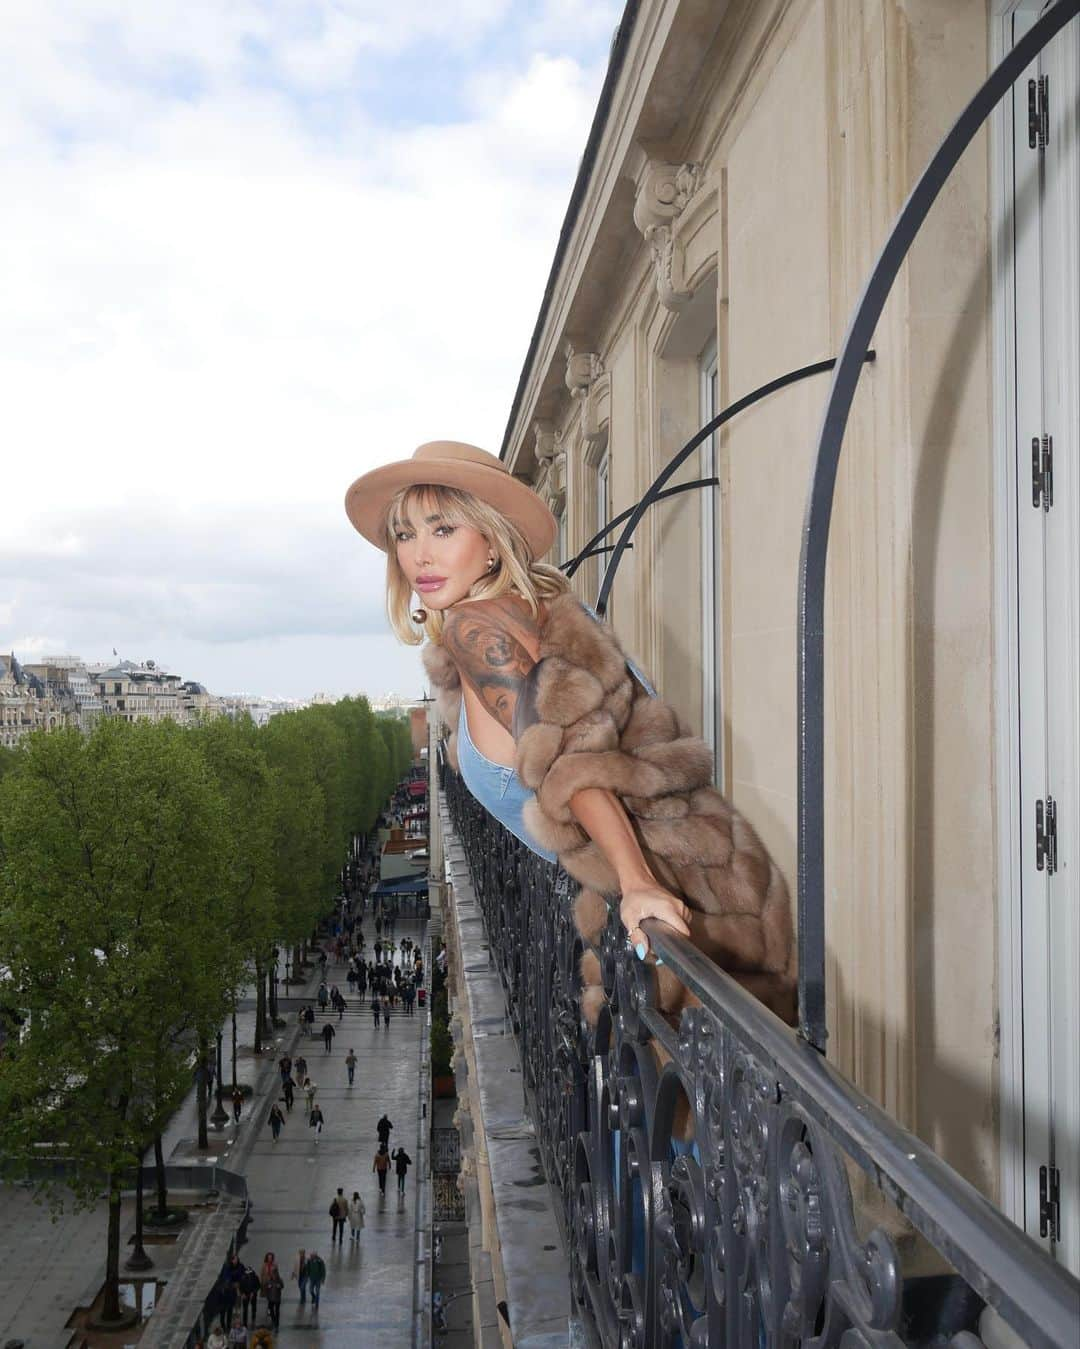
{"points": [[428, 520]]}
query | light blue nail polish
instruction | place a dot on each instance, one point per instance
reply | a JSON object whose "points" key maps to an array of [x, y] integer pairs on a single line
{"points": [[659, 960], [639, 951]]}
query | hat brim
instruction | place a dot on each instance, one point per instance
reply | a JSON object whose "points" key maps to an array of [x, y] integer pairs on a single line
{"points": [[368, 499]]}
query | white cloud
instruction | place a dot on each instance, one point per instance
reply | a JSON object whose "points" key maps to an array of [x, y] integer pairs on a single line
{"points": [[219, 308]]}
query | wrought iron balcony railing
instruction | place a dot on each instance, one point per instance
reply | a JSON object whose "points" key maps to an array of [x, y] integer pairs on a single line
{"points": [[703, 1170]]}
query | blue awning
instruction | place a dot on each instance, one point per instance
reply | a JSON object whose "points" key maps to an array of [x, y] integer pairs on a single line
{"points": [[408, 885]]}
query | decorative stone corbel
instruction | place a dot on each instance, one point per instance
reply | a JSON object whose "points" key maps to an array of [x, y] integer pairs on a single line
{"points": [[551, 464], [591, 385], [662, 194]]}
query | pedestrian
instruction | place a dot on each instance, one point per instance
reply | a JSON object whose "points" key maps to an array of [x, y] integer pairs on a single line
{"points": [[289, 1087], [350, 1065], [309, 1019], [378, 950], [276, 1120], [316, 1272], [310, 1090], [300, 1274], [273, 1285], [402, 1161], [323, 996], [249, 1294], [381, 1166], [339, 1211], [284, 1066], [356, 1216], [322, 961], [316, 1121], [301, 1020], [238, 1335], [375, 1009], [387, 1004], [300, 1067], [237, 1103], [217, 1339], [383, 1130], [328, 1034]]}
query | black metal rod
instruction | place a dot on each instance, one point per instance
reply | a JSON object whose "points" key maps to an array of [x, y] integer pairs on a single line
{"points": [[590, 549], [815, 541], [1009, 1270], [653, 494]]}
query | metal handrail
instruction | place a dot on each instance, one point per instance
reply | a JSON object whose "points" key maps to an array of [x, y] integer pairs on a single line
{"points": [[1013, 1274], [654, 493], [815, 542]]}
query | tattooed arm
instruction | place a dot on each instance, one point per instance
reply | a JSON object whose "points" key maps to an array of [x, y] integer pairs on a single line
{"points": [[495, 643]]}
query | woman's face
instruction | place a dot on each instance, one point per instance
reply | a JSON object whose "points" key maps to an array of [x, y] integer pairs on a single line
{"points": [[441, 561]]}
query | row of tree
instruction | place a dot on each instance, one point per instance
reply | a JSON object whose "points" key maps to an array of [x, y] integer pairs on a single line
{"points": [[147, 874]]}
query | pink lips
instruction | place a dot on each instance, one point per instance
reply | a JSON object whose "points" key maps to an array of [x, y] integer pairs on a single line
{"points": [[426, 583]]}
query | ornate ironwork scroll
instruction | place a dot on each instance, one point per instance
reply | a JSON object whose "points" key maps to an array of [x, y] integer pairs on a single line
{"points": [[702, 1169]]}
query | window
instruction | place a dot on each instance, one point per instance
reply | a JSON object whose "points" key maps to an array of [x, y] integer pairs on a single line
{"points": [[711, 616]]}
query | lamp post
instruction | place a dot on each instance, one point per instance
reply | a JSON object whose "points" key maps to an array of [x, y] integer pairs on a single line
{"points": [[275, 952], [219, 1118]]}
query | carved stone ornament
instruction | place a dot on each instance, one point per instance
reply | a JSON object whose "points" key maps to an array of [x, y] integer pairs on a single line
{"points": [[662, 195], [587, 381], [551, 465]]}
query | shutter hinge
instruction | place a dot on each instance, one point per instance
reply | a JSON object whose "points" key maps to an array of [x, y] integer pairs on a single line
{"points": [[1046, 836], [1038, 112], [1050, 1202], [1042, 471]]}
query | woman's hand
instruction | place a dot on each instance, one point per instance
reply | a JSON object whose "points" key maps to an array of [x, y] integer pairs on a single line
{"points": [[646, 899]]}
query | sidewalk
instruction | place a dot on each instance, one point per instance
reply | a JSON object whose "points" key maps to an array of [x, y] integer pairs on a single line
{"points": [[48, 1269]]}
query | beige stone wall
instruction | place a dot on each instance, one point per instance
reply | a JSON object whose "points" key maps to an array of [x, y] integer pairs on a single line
{"points": [[799, 138]]}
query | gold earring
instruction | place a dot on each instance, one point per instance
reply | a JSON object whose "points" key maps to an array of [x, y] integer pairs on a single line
{"points": [[419, 617], [491, 564]]}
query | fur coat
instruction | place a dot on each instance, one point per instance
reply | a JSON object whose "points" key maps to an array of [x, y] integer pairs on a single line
{"points": [[583, 720]]}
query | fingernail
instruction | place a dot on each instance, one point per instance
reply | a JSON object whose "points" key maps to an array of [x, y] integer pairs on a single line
{"points": [[639, 951]]}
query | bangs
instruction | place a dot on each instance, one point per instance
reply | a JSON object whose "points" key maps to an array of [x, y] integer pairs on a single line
{"points": [[424, 502]]}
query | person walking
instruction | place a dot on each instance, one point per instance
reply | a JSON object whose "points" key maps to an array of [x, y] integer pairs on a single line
{"points": [[316, 1272], [328, 1034], [375, 1009], [310, 1092], [275, 1120], [342, 1007], [300, 1274], [323, 996], [249, 1295], [237, 1103], [356, 1217], [339, 1212], [387, 1003], [316, 1121], [350, 1065], [289, 1088], [402, 1161], [383, 1129], [300, 1068], [381, 1167], [273, 1285], [309, 1020]]}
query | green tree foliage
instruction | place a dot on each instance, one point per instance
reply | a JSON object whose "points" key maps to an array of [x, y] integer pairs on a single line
{"points": [[115, 848]]}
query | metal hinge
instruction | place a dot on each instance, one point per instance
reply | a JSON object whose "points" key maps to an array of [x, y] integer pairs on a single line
{"points": [[1038, 112], [1046, 836], [1042, 471], [1050, 1202]]}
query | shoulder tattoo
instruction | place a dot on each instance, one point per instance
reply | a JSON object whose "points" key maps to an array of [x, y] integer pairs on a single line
{"points": [[485, 641]]}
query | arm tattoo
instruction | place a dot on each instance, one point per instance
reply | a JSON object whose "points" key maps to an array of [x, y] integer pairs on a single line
{"points": [[485, 642]]}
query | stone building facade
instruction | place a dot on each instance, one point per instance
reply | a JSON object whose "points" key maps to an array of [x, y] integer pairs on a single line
{"points": [[745, 166]]}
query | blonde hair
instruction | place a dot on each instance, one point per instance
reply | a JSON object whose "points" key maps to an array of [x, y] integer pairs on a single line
{"points": [[515, 572]]}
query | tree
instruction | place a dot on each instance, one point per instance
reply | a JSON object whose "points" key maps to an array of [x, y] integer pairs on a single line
{"points": [[113, 851]]}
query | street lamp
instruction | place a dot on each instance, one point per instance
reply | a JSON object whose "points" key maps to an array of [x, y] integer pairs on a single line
{"points": [[219, 1118]]}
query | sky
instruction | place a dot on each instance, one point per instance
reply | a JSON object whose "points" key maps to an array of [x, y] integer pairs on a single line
{"points": [[250, 249]]}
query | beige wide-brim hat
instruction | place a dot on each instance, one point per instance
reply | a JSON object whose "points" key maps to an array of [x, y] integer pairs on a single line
{"points": [[449, 463]]}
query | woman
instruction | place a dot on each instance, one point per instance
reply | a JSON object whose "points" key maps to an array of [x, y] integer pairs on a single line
{"points": [[557, 735], [217, 1339], [356, 1216], [276, 1120], [381, 1167], [272, 1285], [299, 1273]]}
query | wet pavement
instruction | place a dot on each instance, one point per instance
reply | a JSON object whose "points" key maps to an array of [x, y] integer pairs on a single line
{"points": [[368, 1295]]}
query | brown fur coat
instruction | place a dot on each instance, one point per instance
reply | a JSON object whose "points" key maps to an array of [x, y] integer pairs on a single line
{"points": [[591, 724]]}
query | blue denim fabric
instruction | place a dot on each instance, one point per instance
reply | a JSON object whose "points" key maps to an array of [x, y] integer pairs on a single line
{"points": [[498, 788]]}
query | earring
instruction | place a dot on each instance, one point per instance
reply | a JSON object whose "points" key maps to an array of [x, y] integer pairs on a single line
{"points": [[419, 617], [491, 564]]}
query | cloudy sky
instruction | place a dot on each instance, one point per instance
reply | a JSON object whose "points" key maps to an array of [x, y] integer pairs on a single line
{"points": [[249, 249]]}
